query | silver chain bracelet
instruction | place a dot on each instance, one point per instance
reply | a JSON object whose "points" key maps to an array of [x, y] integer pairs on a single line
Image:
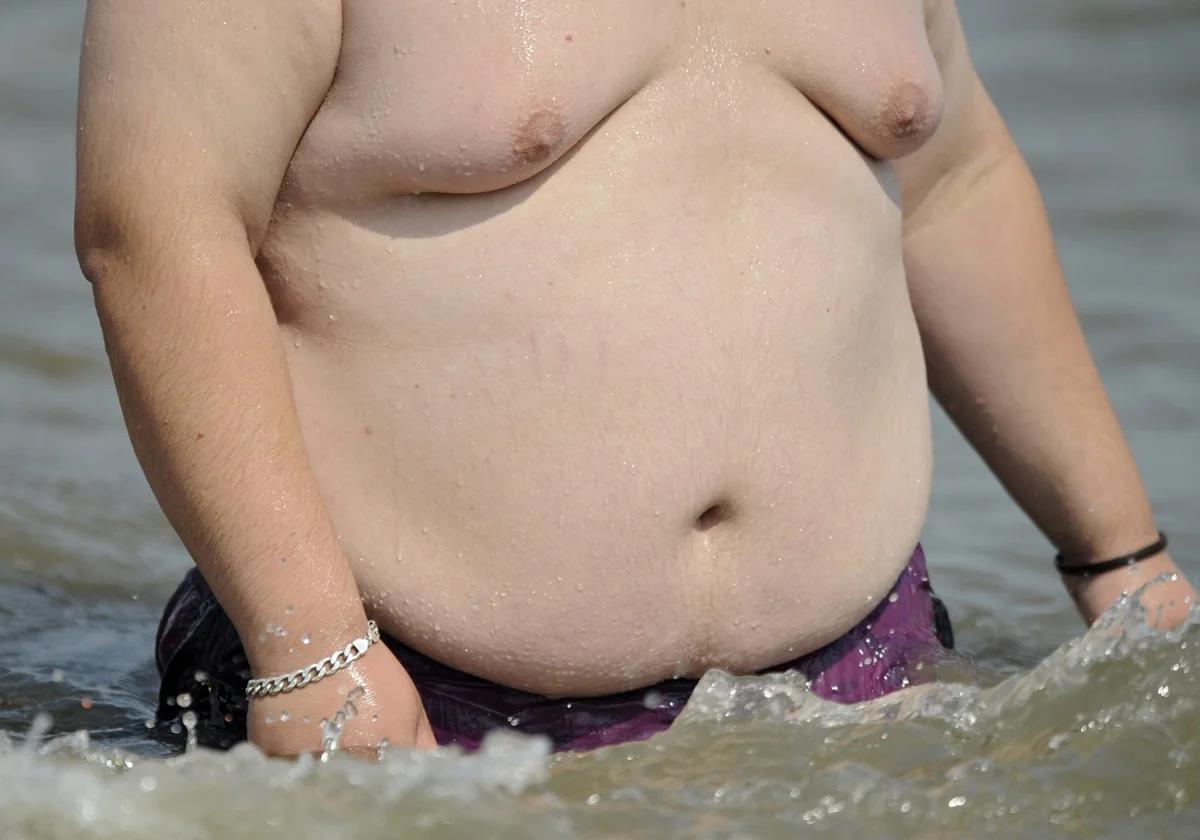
{"points": [[270, 686]]}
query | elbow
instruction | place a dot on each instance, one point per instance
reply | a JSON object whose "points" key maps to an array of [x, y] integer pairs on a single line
{"points": [[92, 261], [97, 242]]}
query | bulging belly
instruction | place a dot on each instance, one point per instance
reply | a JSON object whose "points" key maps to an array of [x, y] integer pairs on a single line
{"points": [[619, 423]]}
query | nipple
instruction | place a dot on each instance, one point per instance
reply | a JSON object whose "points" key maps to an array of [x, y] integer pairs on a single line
{"points": [[538, 136]]}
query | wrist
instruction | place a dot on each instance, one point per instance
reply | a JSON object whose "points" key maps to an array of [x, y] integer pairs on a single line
{"points": [[284, 613], [340, 659], [1167, 598], [297, 636], [1093, 568], [1094, 544]]}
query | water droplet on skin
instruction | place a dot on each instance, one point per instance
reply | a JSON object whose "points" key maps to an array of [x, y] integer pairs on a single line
{"points": [[331, 728], [284, 717], [305, 639]]}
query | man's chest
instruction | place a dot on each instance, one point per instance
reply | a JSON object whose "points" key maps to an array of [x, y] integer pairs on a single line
{"points": [[473, 95]]}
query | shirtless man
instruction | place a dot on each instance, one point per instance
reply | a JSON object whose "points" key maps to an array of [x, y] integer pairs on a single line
{"points": [[581, 345]]}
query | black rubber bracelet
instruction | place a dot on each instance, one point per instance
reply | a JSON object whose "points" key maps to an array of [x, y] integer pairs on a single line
{"points": [[1092, 569]]}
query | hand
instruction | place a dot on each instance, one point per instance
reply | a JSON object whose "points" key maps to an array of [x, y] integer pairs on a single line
{"points": [[1167, 603], [387, 708]]}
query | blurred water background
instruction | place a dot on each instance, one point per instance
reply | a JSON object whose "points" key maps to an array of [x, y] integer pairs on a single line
{"points": [[1094, 739]]}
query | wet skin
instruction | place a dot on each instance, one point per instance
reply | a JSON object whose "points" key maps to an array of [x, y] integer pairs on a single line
{"points": [[579, 344], [599, 333]]}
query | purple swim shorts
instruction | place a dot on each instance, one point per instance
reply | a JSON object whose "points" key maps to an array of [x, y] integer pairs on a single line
{"points": [[876, 657]]}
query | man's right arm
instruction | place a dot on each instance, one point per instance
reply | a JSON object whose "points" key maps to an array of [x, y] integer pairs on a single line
{"points": [[189, 114]]}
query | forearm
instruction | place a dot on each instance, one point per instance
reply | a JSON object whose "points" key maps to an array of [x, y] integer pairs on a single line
{"points": [[175, 193], [1007, 358], [203, 383], [1005, 353]]}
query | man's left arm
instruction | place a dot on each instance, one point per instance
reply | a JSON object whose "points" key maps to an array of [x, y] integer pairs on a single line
{"points": [[1006, 356]]}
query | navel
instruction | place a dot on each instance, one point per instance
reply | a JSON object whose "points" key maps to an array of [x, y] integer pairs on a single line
{"points": [[716, 513]]}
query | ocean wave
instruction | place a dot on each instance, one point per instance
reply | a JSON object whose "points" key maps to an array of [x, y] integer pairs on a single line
{"points": [[1101, 738]]}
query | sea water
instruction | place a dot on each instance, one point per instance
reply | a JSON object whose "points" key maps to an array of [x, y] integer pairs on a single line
{"points": [[1033, 731]]}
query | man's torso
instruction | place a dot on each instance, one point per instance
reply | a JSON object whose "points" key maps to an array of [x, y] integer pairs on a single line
{"points": [[598, 327]]}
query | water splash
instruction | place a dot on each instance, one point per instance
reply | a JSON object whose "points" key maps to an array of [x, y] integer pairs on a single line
{"points": [[63, 789], [333, 726], [189, 721], [1122, 635], [38, 728], [1101, 738]]}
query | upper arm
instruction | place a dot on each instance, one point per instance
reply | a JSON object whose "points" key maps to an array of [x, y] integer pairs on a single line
{"points": [[971, 132], [189, 113]]}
